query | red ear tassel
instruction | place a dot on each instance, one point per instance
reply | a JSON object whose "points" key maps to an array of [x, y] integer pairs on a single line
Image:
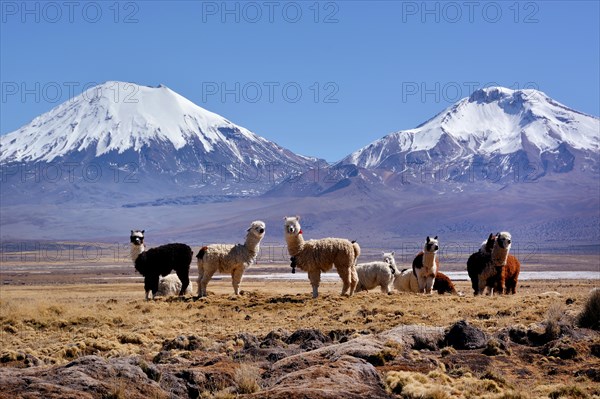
{"points": [[300, 232]]}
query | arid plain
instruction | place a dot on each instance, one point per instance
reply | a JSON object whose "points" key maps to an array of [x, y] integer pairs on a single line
{"points": [[55, 313]]}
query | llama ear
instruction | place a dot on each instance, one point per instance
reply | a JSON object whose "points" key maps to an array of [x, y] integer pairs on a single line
{"points": [[297, 218], [131, 232], [143, 231], [491, 236], [435, 238], [428, 239], [393, 253]]}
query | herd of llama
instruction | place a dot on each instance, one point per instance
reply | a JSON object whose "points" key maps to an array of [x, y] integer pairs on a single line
{"points": [[492, 269]]}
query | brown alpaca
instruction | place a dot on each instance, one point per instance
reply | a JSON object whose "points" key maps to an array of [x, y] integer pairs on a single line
{"points": [[443, 284], [511, 274], [493, 267]]}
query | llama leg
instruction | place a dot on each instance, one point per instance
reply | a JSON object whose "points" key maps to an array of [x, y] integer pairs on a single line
{"points": [[501, 283], [315, 280], [200, 275], [236, 279], [482, 284], [429, 283], [510, 287], [353, 280], [151, 285], [206, 276], [345, 276], [385, 288], [422, 281], [184, 276], [475, 285]]}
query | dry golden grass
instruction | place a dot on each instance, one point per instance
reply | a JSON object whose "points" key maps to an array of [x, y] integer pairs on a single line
{"points": [[59, 323]]}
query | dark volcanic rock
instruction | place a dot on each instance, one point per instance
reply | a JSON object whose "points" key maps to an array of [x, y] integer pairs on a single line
{"points": [[464, 336], [189, 343], [308, 338]]}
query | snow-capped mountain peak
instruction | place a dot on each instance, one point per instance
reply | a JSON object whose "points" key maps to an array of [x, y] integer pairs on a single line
{"points": [[118, 116], [490, 122]]}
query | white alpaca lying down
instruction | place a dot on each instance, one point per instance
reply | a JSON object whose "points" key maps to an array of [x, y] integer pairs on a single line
{"points": [[406, 281], [170, 285], [373, 274]]}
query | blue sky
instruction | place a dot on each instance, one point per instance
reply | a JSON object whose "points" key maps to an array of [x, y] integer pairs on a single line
{"points": [[320, 78]]}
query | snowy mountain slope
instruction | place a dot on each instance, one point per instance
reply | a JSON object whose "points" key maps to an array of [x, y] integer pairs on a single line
{"points": [[492, 125], [118, 116], [156, 132]]}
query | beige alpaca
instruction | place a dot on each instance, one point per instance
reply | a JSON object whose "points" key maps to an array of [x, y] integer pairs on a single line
{"points": [[228, 258], [316, 256]]}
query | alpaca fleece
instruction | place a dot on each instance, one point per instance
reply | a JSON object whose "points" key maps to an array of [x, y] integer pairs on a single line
{"points": [[406, 281], [316, 256], [478, 261], [426, 264], [160, 261], [171, 285], [492, 276], [496, 270], [229, 258], [373, 274]]}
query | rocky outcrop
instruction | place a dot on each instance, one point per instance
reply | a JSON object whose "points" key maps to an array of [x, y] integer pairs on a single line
{"points": [[289, 365], [304, 363], [462, 335]]}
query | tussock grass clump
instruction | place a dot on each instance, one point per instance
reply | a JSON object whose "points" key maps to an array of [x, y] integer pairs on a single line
{"points": [[590, 315], [11, 356], [117, 390], [568, 391], [246, 378], [554, 316], [448, 351], [414, 386], [131, 338], [439, 385]]}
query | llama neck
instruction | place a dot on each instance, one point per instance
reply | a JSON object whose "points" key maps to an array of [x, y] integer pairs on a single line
{"points": [[499, 255], [295, 243], [252, 244], [135, 250], [429, 259]]}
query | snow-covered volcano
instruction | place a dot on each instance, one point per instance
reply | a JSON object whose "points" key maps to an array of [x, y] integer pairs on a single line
{"points": [[151, 131], [494, 125]]}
